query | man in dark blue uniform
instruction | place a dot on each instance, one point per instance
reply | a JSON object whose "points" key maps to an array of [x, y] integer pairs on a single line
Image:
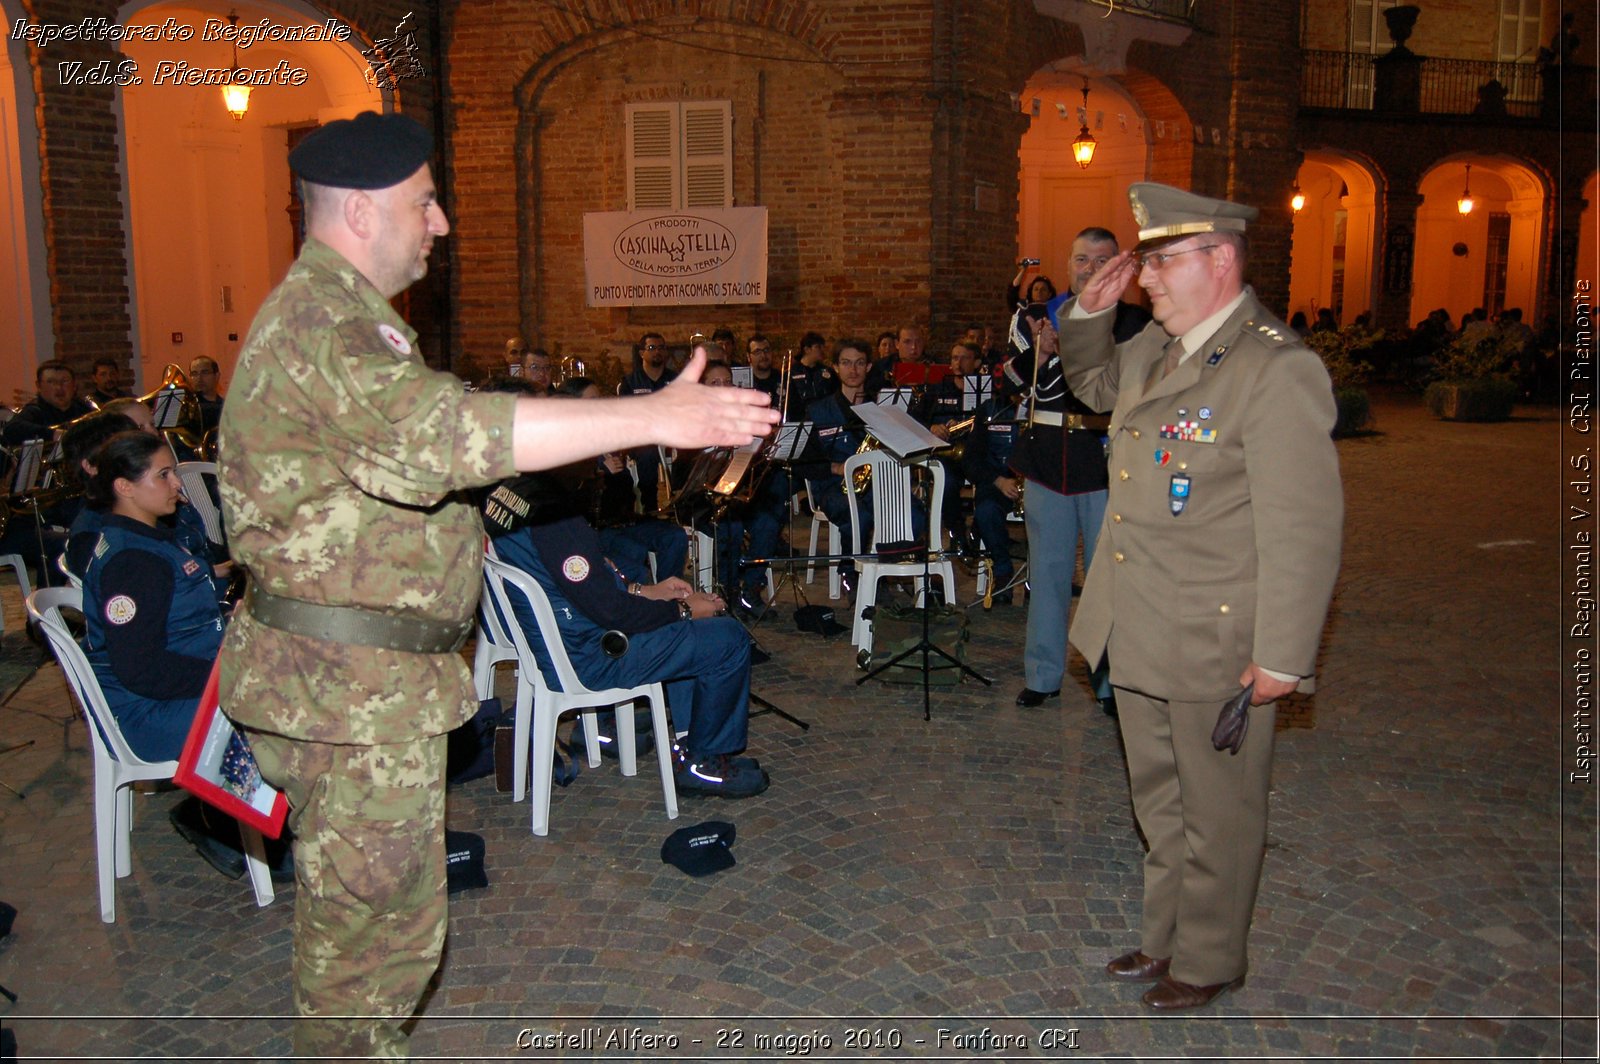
{"points": [[995, 489], [675, 635], [1062, 456], [650, 375], [836, 435]]}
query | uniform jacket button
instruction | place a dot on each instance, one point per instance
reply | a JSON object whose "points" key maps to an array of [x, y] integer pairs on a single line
{"points": [[1118, 556]]}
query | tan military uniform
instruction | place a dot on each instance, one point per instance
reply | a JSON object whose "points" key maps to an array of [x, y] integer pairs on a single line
{"points": [[340, 456], [1220, 547]]}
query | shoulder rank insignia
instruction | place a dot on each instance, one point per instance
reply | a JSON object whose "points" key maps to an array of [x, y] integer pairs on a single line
{"points": [[1267, 331], [1217, 355]]}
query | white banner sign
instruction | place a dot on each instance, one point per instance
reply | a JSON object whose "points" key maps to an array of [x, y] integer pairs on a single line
{"points": [[673, 258]]}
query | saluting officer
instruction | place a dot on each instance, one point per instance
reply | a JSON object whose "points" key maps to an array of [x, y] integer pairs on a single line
{"points": [[1215, 566]]}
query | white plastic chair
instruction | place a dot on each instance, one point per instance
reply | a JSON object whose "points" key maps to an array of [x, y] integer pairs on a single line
{"points": [[539, 706], [116, 766], [892, 523], [15, 563], [819, 520], [193, 475], [493, 644]]}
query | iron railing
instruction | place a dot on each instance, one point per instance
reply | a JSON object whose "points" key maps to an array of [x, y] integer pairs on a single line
{"points": [[1345, 81]]}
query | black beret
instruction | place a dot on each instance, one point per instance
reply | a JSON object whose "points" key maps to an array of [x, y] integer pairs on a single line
{"points": [[368, 151]]}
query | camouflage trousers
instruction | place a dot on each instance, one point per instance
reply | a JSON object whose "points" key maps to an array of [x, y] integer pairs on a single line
{"points": [[370, 911]]}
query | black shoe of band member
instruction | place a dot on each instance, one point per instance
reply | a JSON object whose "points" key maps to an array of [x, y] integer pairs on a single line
{"points": [[721, 776], [1031, 699], [214, 835]]}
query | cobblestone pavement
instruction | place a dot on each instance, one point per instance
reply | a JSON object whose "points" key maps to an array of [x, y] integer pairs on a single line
{"points": [[1429, 890]]}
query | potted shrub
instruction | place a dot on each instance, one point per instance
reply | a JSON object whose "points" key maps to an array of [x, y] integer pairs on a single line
{"points": [[1338, 349], [1472, 382]]}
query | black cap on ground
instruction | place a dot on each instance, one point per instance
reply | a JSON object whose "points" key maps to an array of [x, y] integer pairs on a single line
{"points": [[701, 849]]}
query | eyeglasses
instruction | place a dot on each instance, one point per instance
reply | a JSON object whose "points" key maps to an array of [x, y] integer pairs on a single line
{"points": [[1157, 260], [652, 347], [760, 350]]}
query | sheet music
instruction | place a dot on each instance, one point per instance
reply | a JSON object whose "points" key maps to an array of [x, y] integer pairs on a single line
{"points": [[894, 397], [168, 407], [738, 466], [974, 390], [743, 376], [896, 430], [792, 440]]}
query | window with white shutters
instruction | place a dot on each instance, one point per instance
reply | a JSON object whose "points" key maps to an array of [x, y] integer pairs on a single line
{"points": [[680, 155]]}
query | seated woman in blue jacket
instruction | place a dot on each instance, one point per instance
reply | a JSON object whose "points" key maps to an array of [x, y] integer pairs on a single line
{"points": [[154, 627]]}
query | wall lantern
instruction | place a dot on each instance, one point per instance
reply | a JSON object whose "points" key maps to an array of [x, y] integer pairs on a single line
{"points": [[1466, 203], [1297, 199], [1083, 144], [235, 97]]}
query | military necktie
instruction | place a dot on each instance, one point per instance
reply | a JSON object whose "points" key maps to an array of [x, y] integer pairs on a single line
{"points": [[1174, 356]]}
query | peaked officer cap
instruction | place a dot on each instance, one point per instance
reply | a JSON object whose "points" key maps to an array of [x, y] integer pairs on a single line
{"points": [[1166, 213]]}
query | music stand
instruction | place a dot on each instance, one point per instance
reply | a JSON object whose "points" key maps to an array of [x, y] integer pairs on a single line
{"points": [[901, 436]]}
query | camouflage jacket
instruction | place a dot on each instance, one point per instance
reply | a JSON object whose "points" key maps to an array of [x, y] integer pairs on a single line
{"points": [[341, 458]]}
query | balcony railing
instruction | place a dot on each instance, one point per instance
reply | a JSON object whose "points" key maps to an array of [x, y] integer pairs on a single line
{"points": [[1345, 81]]}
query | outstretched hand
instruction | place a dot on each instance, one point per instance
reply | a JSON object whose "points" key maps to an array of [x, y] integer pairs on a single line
{"points": [[689, 415], [1109, 282]]}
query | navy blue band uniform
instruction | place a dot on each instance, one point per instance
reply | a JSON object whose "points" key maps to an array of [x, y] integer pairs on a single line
{"points": [[1064, 459]]}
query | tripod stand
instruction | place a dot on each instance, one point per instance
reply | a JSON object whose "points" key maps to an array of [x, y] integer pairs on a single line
{"points": [[926, 648]]}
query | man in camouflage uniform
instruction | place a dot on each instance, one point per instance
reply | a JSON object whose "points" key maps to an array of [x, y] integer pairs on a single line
{"points": [[342, 461]]}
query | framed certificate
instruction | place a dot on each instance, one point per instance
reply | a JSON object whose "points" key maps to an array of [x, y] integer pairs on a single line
{"points": [[217, 767]]}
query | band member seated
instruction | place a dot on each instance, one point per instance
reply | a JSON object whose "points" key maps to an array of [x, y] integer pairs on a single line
{"points": [[79, 440], [836, 435], [153, 625], [55, 404], [677, 636], [940, 407], [760, 515], [995, 488]]}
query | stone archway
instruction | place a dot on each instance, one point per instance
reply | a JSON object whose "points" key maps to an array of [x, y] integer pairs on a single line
{"points": [[1492, 257], [207, 196], [1141, 132], [1334, 261]]}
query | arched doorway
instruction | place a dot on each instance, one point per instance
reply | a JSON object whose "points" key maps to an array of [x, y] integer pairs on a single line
{"points": [[1488, 257], [208, 195], [1059, 199], [26, 335], [1333, 263]]}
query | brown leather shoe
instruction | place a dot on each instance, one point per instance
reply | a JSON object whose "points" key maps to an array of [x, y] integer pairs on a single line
{"points": [[1135, 967], [1169, 995]]}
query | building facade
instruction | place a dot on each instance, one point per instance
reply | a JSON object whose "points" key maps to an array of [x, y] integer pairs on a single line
{"points": [[908, 153]]}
